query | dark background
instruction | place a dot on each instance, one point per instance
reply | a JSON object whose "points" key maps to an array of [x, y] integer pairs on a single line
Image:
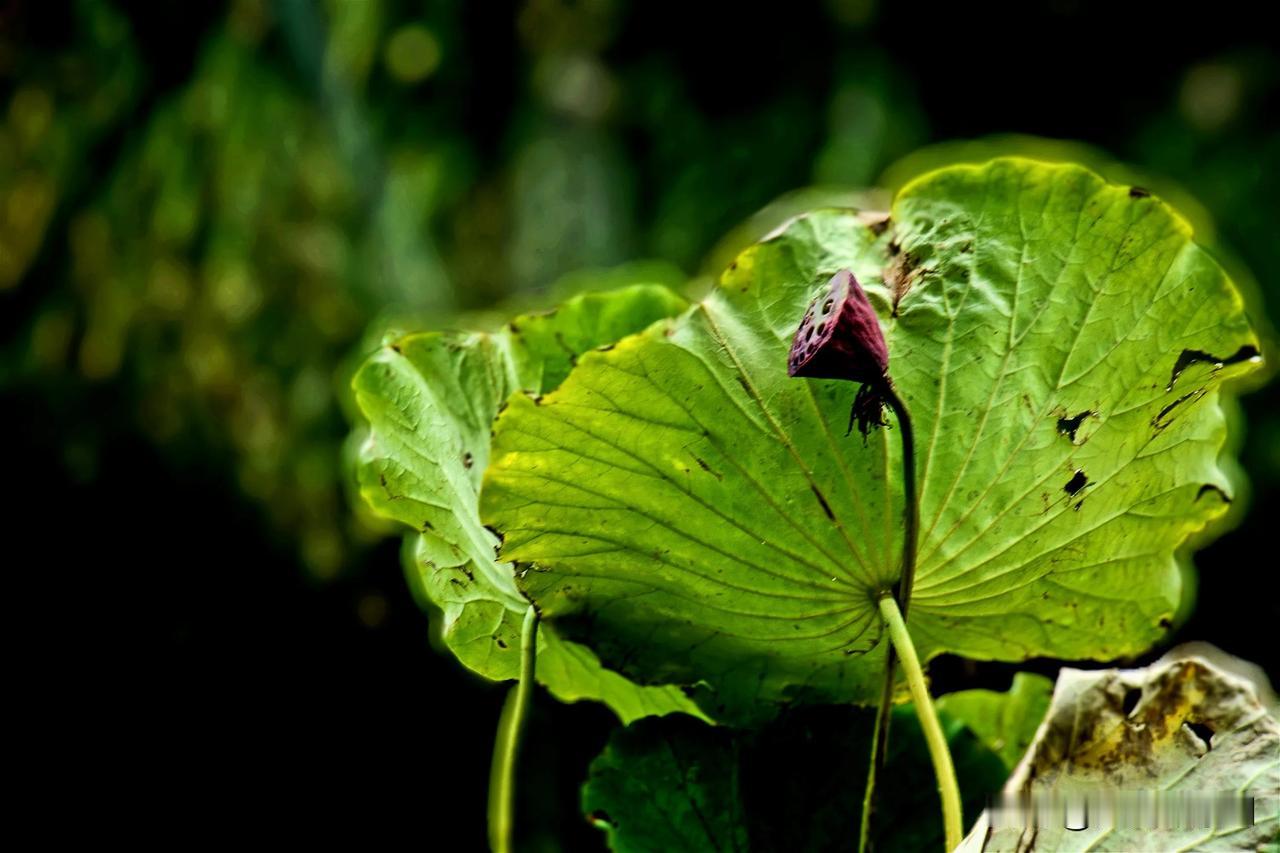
{"points": [[216, 203]]}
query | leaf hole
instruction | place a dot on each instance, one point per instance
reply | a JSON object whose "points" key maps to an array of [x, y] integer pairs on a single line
{"points": [[1076, 483], [1068, 426], [1210, 488], [1130, 701], [1202, 732]]}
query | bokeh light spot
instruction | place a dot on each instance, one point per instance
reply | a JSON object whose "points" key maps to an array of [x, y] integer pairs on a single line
{"points": [[1210, 96], [413, 54]]}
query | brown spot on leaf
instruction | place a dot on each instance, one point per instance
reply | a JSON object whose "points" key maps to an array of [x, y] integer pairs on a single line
{"points": [[876, 222], [826, 507], [899, 275], [702, 463]]}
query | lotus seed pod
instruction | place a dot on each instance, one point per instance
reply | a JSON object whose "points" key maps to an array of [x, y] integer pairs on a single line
{"points": [[840, 337]]}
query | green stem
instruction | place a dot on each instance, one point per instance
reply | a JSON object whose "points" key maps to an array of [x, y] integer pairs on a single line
{"points": [[506, 748], [906, 579], [879, 747], [943, 769]]}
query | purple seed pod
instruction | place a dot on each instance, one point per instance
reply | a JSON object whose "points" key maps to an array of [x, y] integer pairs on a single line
{"points": [[840, 337]]}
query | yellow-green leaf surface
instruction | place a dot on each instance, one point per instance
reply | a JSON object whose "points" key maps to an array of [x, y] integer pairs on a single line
{"points": [[430, 400], [698, 517]]}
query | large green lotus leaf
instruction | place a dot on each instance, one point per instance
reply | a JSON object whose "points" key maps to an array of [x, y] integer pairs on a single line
{"points": [[1006, 722], [795, 785], [1184, 736], [698, 517], [430, 400]]}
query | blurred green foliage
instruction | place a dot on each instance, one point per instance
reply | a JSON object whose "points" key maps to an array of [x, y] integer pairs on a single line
{"points": [[213, 224]]}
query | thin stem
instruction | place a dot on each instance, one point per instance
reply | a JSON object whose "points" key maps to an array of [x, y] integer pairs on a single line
{"points": [[879, 747], [911, 502], [943, 769], [506, 748], [910, 550]]}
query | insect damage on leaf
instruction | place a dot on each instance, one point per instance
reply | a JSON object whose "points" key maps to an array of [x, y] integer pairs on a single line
{"points": [[1077, 482], [1188, 357], [900, 273], [1069, 426]]}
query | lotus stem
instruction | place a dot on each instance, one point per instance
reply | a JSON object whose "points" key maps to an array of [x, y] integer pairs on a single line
{"points": [[943, 769], [906, 579], [506, 748]]}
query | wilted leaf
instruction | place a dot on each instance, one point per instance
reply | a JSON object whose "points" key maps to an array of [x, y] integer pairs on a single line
{"points": [[1006, 722], [430, 400], [698, 517], [1181, 733]]}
